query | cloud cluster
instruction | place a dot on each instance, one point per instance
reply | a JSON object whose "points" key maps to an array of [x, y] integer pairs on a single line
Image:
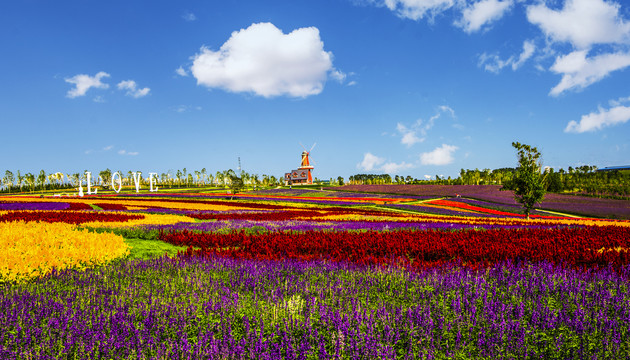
{"points": [[411, 135], [83, 83], [618, 114], [479, 14], [417, 9], [132, 89], [590, 27], [442, 155], [262, 60], [578, 71], [583, 23], [494, 64], [111, 147], [372, 162], [417, 132], [475, 16], [595, 29], [189, 16]]}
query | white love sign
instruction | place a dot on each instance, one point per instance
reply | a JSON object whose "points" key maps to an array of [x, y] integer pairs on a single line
{"points": [[117, 182]]}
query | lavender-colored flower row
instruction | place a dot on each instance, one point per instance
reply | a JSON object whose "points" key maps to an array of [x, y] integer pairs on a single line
{"points": [[305, 225], [587, 206], [216, 308], [188, 212], [34, 206], [323, 201]]}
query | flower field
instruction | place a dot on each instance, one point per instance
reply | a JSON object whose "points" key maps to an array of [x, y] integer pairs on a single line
{"points": [[305, 274]]}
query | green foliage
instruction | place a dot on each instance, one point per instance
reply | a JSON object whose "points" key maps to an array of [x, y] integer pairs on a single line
{"points": [[528, 182], [236, 184], [147, 249]]}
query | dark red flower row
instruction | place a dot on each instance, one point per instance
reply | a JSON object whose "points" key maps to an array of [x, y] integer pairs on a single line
{"points": [[79, 206], [109, 206], [577, 246], [67, 217]]}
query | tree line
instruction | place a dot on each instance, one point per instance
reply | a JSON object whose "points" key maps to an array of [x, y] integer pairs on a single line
{"points": [[21, 182], [583, 179]]}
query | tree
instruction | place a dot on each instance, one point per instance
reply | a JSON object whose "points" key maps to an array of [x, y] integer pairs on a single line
{"points": [[8, 179], [106, 177], [20, 179], [179, 178], [528, 182], [30, 180], [340, 181], [236, 183]]}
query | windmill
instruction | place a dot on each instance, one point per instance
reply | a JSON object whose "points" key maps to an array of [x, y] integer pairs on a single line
{"points": [[302, 175]]}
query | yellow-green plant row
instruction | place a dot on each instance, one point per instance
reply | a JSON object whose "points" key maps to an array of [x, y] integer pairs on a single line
{"points": [[33, 249]]}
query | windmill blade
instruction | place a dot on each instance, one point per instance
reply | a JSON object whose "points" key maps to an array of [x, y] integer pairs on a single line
{"points": [[313, 147], [303, 147]]}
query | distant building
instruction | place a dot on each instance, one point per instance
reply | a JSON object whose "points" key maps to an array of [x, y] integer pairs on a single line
{"points": [[301, 175], [616, 168]]}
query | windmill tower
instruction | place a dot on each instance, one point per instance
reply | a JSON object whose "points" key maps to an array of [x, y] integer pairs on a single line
{"points": [[303, 174]]}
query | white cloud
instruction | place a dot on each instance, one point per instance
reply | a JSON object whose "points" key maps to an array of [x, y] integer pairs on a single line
{"points": [[578, 71], [188, 16], [583, 23], [410, 135], [132, 89], [619, 101], [181, 71], [83, 83], [483, 12], [417, 9], [528, 51], [393, 168], [338, 75], [598, 120], [494, 64], [125, 152], [107, 148], [439, 156], [370, 162], [264, 61]]}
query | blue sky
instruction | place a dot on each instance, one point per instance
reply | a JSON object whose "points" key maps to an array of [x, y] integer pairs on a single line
{"points": [[409, 87]]}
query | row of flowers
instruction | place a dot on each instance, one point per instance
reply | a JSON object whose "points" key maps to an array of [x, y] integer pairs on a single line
{"points": [[32, 249], [68, 217], [588, 246], [219, 308]]}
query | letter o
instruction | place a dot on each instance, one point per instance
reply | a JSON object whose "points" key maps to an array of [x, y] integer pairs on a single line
{"points": [[119, 182]]}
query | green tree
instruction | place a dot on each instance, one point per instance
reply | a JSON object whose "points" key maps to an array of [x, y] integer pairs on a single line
{"points": [[8, 179], [236, 183], [41, 179], [30, 181], [528, 181], [340, 181], [106, 178]]}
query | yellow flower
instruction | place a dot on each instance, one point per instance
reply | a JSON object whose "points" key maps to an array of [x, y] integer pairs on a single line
{"points": [[33, 249]]}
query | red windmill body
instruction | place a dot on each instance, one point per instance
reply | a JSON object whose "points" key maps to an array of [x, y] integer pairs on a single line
{"points": [[302, 175]]}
